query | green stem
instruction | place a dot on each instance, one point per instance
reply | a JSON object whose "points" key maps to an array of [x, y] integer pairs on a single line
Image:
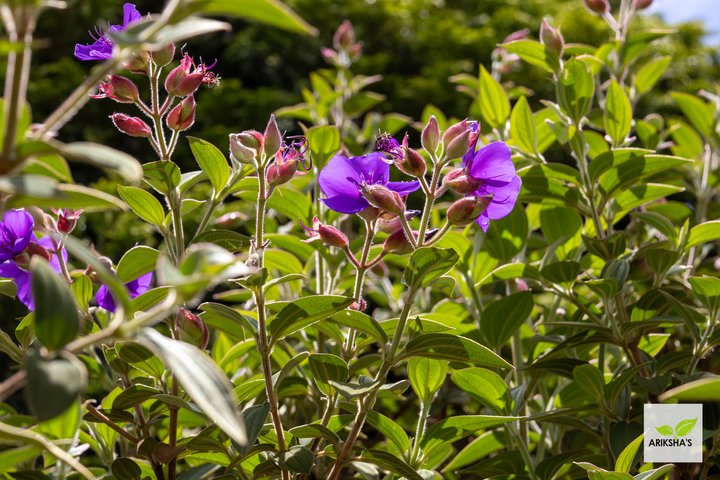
{"points": [[579, 148], [419, 431], [429, 202]]}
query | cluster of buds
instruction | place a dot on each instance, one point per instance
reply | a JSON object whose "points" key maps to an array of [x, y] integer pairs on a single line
{"points": [[346, 49], [406, 159], [602, 7]]}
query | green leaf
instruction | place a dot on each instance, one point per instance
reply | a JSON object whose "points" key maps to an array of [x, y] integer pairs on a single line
{"points": [[136, 262], [703, 390], [326, 367], [427, 264], [617, 113], [522, 127], [11, 457], [324, 142], [133, 396], [315, 430], [483, 384], [124, 468], [684, 427], [361, 322], [576, 89], [627, 457], [270, 12], [445, 346], [707, 290], [650, 73], [460, 426], [53, 384], [507, 236], [426, 377], [704, 233], [494, 102], [298, 459], [227, 239], [82, 289], [666, 430], [43, 192], [388, 461], [389, 429], [211, 161], [561, 272], [143, 204], [502, 318], [533, 52], [700, 113], [655, 474], [589, 378], [162, 175], [227, 320], [102, 156], [57, 321], [201, 379], [304, 312]]}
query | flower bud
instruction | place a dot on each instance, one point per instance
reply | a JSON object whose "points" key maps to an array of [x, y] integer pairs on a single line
{"points": [[329, 55], [552, 38], [521, 285], [332, 237], [388, 222], [22, 259], [344, 36], [280, 173], [459, 181], [138, 63], [454, 131], [67, 219], [359, 306], [272, 138], [181, 83], [716, 264], [411, 163], [370, 213], [383, 198], [430, 137], [517, 35], [397, 243], [240, 148], [133, 126], [182, 116], [598, 6], [642, 4], [118, 88], [458, 146], [164, 56], [466, 210], [191, 328], [231, 220]]}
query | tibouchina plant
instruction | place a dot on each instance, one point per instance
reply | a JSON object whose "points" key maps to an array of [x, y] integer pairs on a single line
{"points": [[355, 295]]}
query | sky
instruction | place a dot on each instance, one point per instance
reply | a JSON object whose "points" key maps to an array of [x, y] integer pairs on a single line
{"points": [[675, 11]]}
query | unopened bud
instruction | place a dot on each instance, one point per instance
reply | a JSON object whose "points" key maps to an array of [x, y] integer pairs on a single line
{"points": [[344, 36], [272, 138], [280, 173], [164, 56], [521, 285], [552, 38], [459, 181], [332, 237], [466, 210], [359, 306], [598, 6], [370, 213], [430, 137], [517, 35], [383, 198], [138, 63], [191, 328], [133, 126], [560, 312], [716, 263], [642, 4], [244, 146], [182, 116], [397, 243], [67, 219], [411, 163], [118, 88], [458, 146], [231, 220], [454, 131], [329, 55]]}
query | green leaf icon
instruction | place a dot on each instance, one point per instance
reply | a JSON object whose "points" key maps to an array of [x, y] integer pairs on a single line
{"points": [[665, 430], [684, 427]]}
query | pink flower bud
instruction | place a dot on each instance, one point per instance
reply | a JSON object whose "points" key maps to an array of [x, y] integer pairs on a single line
{"points": [[397, 243], [517, 35], [280, 173], [138, 63], [458, 146], [370, 213], [430, 136], [163, 56], [118, 88], [642, 4], [272, 138], [22, 260], [133, 126], [67, 219], [411, 162], [454, 131], [466, 210], [344, 36], [359, 306], [552, 38], [598, 6], [182, 116], [521, 285], [328, 234], [383, 198], [459, 181], [240, 151], [716, 264], [191, 328], [329, 55]]}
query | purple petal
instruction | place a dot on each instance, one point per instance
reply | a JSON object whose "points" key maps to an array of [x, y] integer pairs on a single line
{"points": [[493, 162], [54, 262], [346, 204], [404, 188], [23, 282], [104, 299], [140, 285], [474, 128], [15, 233], [483, 221], [372, 168], [99, 50], [130, 14], [339, 178], [504, 197]]}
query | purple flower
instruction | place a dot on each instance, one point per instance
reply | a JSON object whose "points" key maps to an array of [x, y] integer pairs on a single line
{"points": [[17, 244], [492, 166], [102, 48], [342, 178], [136, 288]]}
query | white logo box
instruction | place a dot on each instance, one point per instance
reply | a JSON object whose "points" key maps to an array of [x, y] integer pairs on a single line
{"points": [[673, 433]]}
